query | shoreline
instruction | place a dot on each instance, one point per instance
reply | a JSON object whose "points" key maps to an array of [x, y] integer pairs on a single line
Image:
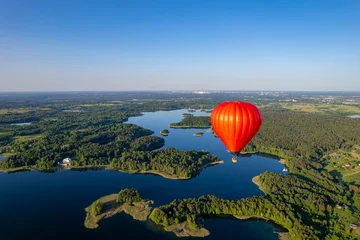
{"points": [[33, 167], [17, 169], [138, 210], [166, 175], [106, 167], [281, 235], [185, 230], [255, 180]]}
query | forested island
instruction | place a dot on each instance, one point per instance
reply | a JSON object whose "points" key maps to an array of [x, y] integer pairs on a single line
{"points": [[164, 132], [198, 134], [190, 121], [127, 200]]}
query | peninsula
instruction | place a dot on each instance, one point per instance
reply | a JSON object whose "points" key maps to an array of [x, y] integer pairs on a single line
{"points": [[169, 162], [127, 200]]}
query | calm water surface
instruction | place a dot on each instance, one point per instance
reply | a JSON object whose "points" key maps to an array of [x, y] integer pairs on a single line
{"points": [[35, 205]]}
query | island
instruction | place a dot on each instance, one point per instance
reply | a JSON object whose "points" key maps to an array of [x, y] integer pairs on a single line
{"points": [[198, 134], [192, 122], [127, 200], [164, 132]]}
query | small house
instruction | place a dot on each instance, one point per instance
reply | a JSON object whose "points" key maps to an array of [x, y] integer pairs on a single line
{"points": [[65, 162], [353, 226], [338, 206], [347, 165]]}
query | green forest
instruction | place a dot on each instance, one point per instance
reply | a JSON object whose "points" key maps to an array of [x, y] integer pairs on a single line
{"points": [[183, 164], [129, 196]]}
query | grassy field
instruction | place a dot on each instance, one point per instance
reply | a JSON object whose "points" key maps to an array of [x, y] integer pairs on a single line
{"points": [[18, 110], [321, 108], [21, 110], [185, 230], [348, 218], [353, 178], [99, 104], [27, 137], [336, 162]]}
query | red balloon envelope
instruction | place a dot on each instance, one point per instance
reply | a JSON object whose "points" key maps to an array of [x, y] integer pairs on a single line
{"points": [[236, 123]]}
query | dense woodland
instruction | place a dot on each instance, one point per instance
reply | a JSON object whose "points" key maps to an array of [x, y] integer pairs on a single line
{"points": [[184, 164], [93, 133], [304, 135], [129, 196]]}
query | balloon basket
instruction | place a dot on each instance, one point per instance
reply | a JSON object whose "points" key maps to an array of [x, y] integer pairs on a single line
{"points": [[234, 160]]}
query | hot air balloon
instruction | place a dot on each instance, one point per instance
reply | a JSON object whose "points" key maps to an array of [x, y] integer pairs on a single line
{"points": [[236, 123]]}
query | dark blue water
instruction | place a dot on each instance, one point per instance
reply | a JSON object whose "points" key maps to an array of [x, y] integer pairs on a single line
{"points": [[39, 205]]}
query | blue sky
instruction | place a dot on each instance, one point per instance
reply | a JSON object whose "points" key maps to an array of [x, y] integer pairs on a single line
{"points": [[179, 45]]}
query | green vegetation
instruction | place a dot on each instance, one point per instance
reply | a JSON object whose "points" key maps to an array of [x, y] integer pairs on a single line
{"points": [[189, 210], [198, 134], [322, 108], [192, 122], [343, 163], [108, 206], [96, 208], [304, 135], [147, 143], [93, 145], [129, 196], [168, 162], [164, 132]]}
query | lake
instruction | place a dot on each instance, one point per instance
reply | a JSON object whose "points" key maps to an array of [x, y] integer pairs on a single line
{"points": [[51, 205], [355, 116]]}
